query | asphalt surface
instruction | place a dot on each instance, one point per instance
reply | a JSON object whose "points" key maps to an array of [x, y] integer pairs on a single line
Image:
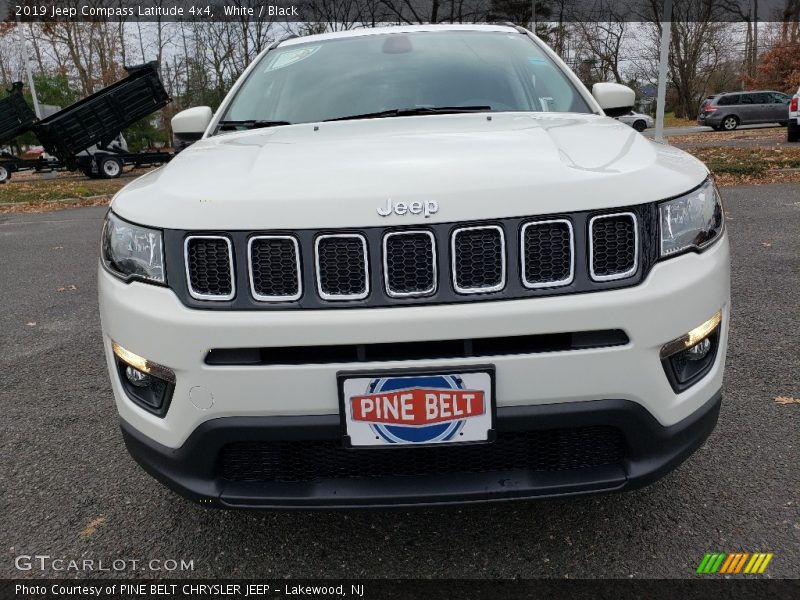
{"points": [[68, 489]]}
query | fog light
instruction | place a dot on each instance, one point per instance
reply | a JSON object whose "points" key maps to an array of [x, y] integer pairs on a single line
{"points": [[142, 364], [146, 383], [699, 351], [137, 378], [687, 359]]}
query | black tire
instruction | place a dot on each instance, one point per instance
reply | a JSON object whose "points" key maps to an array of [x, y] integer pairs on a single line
{"points": [[793, 133], [5, 174], [730, 123], [110, 167], [639, 125], [90, 175]]}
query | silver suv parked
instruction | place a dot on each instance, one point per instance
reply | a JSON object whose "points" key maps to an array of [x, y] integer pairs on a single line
{"points": [[728, 110]]}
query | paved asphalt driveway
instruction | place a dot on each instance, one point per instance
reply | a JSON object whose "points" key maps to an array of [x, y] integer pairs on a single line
{"points": [[68, 488]]}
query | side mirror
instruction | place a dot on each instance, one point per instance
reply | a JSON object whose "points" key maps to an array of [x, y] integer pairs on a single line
{"points": [[189, 125], [613, 98]]}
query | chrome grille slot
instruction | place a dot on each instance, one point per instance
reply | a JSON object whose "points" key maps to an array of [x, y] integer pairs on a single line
{"points": [[342, 266], [209, 267], [478, 259], [613, 246], [409, 263], [274, 266], [547, 253]]}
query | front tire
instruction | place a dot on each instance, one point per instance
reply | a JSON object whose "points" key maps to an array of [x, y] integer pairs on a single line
{"points": [[730, 123], [5, 174], [110, 168], [639, 125]]}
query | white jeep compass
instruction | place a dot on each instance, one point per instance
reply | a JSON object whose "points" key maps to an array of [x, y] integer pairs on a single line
{"points": [[414, 265]]}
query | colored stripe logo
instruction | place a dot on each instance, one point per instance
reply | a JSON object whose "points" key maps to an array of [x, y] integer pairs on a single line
{"points": [[734, 563]]}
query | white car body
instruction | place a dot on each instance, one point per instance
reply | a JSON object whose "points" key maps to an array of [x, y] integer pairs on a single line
{"points": [[342, 176], [636, 120], [793, 126]]}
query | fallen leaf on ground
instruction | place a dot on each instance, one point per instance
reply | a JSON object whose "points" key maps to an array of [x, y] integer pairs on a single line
{"points": [[69, 288], [93, 526], [31, 323], [766, 244], [787, 400]]}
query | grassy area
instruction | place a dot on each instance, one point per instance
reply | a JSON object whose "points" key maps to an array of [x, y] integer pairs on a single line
{"points": [[747, 161], [49, 190], [670, 120], [738, 165]]}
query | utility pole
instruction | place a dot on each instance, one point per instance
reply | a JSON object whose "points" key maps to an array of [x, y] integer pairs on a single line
{"points": [[663, 60], [533, 16], [23, 48]]}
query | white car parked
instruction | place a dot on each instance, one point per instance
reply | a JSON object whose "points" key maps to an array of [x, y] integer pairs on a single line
{"points": [[414, 265], [793, 126], [636, 120]]}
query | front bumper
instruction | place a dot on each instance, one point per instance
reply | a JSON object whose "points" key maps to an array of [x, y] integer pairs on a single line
{"points": [[623, 387], [650, 450]]}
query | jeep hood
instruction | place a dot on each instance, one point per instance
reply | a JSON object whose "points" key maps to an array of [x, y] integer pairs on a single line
{"points": [[475, 166]]}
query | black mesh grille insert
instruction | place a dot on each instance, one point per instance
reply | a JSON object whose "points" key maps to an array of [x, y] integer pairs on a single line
{"points": [[209, 267], [478, 259], [613, 245], [547, 251], [409, 263], [342, 268], [548, 450], [274, 266]]}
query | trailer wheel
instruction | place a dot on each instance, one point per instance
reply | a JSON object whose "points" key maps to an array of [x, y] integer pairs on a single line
{"points": [[5, 174], [110, 168]]}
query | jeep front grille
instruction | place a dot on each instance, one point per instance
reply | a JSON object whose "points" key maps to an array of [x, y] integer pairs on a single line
{"points": [[439, 263], [613, 246], [209, 267], [547, 253], [478, 259], [409, 263], [274, 265], [342, 272]]}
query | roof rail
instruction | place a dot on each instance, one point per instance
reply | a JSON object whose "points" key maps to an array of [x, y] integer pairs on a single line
{"points": [[285, 38]]}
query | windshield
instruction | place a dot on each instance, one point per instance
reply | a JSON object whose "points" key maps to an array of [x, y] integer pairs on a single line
{"points": [[369, 74]]}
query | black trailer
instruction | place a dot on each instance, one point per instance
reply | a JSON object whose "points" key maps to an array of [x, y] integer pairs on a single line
{"points": [[16, 117], [81, 136], [98, 119]]}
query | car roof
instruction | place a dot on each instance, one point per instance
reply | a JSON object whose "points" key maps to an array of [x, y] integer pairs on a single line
{"points": [[499, 28]]}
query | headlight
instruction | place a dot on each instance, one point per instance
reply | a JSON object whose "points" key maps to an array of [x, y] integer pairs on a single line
{"points": [[691, 221], [132, 251]]}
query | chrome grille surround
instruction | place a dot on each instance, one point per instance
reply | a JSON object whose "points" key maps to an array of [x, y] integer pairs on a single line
{"points": [[232, 272], [455, 257], [318, 269], [592, 251], [386, 275], [298, 273], [523, 251]]}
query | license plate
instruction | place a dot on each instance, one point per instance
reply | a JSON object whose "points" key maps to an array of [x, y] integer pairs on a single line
{"points": [[414, 408]]}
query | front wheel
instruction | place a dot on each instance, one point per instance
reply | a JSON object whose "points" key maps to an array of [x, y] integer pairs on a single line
{"points": [[639, 125], [730, 123], [5, 174], [110, 168]]}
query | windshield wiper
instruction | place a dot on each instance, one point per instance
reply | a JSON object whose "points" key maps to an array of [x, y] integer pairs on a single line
{"points": [[413, 111], [249, 124]]}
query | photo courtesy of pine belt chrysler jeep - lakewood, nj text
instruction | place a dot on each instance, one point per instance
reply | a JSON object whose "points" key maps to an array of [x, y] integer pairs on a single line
{"points": [[415, 265]]}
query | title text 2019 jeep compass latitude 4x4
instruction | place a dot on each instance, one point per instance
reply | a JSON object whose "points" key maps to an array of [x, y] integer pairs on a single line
{"points": [[415, 265]]}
